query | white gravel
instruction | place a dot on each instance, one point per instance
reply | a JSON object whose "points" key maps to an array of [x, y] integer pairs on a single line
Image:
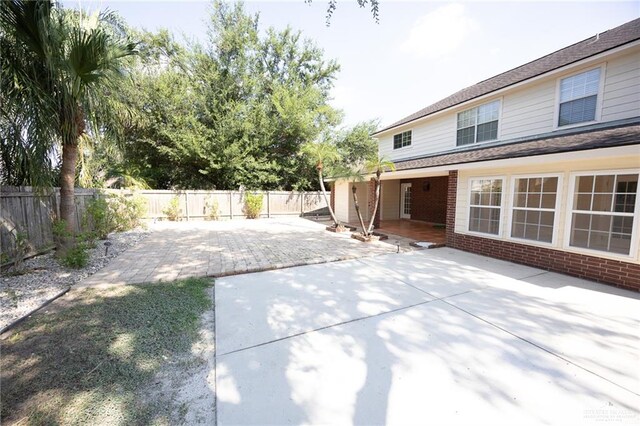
{"points": [[44, 277]]}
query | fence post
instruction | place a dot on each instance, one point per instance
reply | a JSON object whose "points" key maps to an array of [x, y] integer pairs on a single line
{"points": [[186, 204], [268, 205], [231, 204], [301, 203]]}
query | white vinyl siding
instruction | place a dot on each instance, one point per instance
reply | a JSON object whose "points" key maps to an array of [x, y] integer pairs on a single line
{"points": [[425, 139], [621, 97], [529, 109], [363, 201]]}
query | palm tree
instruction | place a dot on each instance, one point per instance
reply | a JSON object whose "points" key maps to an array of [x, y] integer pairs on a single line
{"points": [[57, 69], [375, 166], [323, 154]]}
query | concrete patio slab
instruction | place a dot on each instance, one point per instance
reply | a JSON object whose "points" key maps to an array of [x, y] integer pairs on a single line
{"points": [[257, 308], [597, 330], [504, 344], [431, 364]]}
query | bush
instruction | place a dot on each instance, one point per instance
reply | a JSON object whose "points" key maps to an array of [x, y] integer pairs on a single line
{"points": [[99, 217], [128, 211], [114, 213], [212, 209], [60, 233], [253, 205], [172, 210], [76, 257]]}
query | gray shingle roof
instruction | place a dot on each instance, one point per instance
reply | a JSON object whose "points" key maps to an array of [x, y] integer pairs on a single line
{"points": [[579, 141], [608, 40]]}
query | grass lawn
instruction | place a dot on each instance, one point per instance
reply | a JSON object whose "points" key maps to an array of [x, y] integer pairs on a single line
{"points": [[92, 359]]}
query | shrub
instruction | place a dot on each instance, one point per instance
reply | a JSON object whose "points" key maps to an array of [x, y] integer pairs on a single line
{"points": [[99, 217], [172, 210], [252, 205], [60, 233], [76, 257], [128, 211], [212, 209], [114, 213]]}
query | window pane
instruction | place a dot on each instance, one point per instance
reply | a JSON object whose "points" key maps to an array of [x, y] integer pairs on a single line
{"points": [[604, 183], [496, 199], [546, 234], [488, 112], [397, 141], [535, 185], [533, 217], [578, 111], [533, 201], [581, 221], [602, 202], [466, 136], [546, 218], [467, 118], [600, 223], [522, 185], [582, 202], [531, 232], [517, 230], [548, 201], [520, 200], [579, 86], [550, 184], [580, 239], [584, 183], [620, 244], [599, 240], [487, 131], [519, 216]]}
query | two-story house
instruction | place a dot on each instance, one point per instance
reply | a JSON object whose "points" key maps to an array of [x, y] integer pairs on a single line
{"points": [[537, 165]]}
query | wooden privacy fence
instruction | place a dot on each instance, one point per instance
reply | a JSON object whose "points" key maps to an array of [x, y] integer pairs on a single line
{"points": [[230, 204], [22, 209]]}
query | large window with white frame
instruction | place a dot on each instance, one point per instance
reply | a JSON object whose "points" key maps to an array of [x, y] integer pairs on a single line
{"points": [[603, 209], [479, 124], [534, 208], [485, 205], [579, 97]]}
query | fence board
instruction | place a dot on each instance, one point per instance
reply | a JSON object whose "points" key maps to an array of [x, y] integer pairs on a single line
{"points": [[22, 209]]}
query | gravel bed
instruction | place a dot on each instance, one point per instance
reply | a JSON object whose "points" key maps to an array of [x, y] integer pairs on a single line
{"points": [[44, 277]]}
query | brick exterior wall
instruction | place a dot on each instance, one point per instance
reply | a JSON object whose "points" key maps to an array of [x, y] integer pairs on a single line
{"points": [[614, 272], [429, 205]]}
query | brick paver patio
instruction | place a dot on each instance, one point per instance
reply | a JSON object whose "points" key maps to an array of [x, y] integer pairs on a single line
{"points": [[176, 250]]}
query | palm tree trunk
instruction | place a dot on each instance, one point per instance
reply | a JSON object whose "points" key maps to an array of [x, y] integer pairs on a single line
{"points": [[375, 207], [67, 194], [326, 200], [355, 202]]}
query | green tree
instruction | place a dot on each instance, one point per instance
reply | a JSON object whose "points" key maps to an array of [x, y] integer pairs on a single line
{"points": [[56, 65]]}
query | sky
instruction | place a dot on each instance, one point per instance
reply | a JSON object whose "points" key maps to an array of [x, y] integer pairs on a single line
{"points": [[418, 53]]}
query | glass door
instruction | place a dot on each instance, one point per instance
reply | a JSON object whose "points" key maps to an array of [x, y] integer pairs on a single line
{"points": [[405, 201]]}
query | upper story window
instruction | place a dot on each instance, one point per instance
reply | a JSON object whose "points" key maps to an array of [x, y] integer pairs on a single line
{"points": [[579, 97], [402, 139], [478, 124]]}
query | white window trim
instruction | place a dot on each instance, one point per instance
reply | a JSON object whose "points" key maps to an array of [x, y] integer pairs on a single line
{"points": [[497, 236], [635, 235], [598, 117], [402, 148], [455, 122], [557, 213]]}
